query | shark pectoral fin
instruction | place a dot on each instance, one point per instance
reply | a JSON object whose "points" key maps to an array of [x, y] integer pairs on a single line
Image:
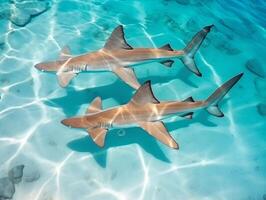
{"points": [[98, 135], [64, 78], [65, 53], [95, 106], [127, 75], [157, 129], [144, 95], [117, 40]]}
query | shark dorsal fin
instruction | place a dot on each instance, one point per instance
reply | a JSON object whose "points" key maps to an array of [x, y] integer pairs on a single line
{"points": [[95, 106], [189, 99], [65, 53], [144, 95], [117, 40], [167, 47]]}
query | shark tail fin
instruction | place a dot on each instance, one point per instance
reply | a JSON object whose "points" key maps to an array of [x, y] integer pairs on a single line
{"points": [[213, 100], [191, 49]]}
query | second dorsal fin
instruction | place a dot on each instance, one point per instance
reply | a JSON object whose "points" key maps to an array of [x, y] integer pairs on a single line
{"points": [[95, 106], [144, 95], [167, 47], [117, 40], [189, 99]]}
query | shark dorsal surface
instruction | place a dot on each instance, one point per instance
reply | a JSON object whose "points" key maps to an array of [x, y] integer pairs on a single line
{"points": [[144, 95], [117, 40], [95, 106]]}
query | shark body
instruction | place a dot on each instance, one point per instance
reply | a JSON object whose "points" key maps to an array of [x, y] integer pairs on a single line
{"points": [[118, 56], [146, 111]]}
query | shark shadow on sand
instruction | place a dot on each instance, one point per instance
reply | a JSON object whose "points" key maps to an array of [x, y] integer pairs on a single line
{"points": [[84, 96], [130, 136], [133, 136]]}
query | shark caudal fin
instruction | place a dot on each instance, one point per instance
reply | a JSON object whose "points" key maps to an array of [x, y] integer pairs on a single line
{"points": [[213, 100], [191, 49]]}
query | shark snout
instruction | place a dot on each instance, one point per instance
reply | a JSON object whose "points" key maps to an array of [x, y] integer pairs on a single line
{"points": [[47, 66], [73, 122], [67, 122], [39, 66]]}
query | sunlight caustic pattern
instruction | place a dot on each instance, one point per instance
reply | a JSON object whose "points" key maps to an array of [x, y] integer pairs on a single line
{"points": [[227, 153]]}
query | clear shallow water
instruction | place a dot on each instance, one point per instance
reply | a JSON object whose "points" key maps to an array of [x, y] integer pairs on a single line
{"points": [[218, 158]]}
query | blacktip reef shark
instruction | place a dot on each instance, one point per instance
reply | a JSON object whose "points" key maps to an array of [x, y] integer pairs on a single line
{"points": [[118, 56], [146, 111]]}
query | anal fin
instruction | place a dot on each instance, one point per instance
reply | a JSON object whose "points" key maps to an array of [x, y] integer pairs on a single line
{"points": [[167, 63], [187, 115]]}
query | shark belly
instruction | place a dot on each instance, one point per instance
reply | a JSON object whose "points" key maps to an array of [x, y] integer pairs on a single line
{"points": [[137, 62], [77, 68], [121, 126]]}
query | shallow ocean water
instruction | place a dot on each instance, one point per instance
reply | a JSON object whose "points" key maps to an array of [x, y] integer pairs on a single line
{"points": [[219, 158]]}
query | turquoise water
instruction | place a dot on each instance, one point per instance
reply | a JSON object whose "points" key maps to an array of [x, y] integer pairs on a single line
{"points": [[219, 158]]}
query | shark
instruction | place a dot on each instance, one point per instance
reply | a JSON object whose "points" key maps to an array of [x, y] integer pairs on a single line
{"points": [[120, 58], [146, 111]]}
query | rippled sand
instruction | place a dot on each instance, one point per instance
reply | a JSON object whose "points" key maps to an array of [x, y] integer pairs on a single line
{"points": [[219, 158]]}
